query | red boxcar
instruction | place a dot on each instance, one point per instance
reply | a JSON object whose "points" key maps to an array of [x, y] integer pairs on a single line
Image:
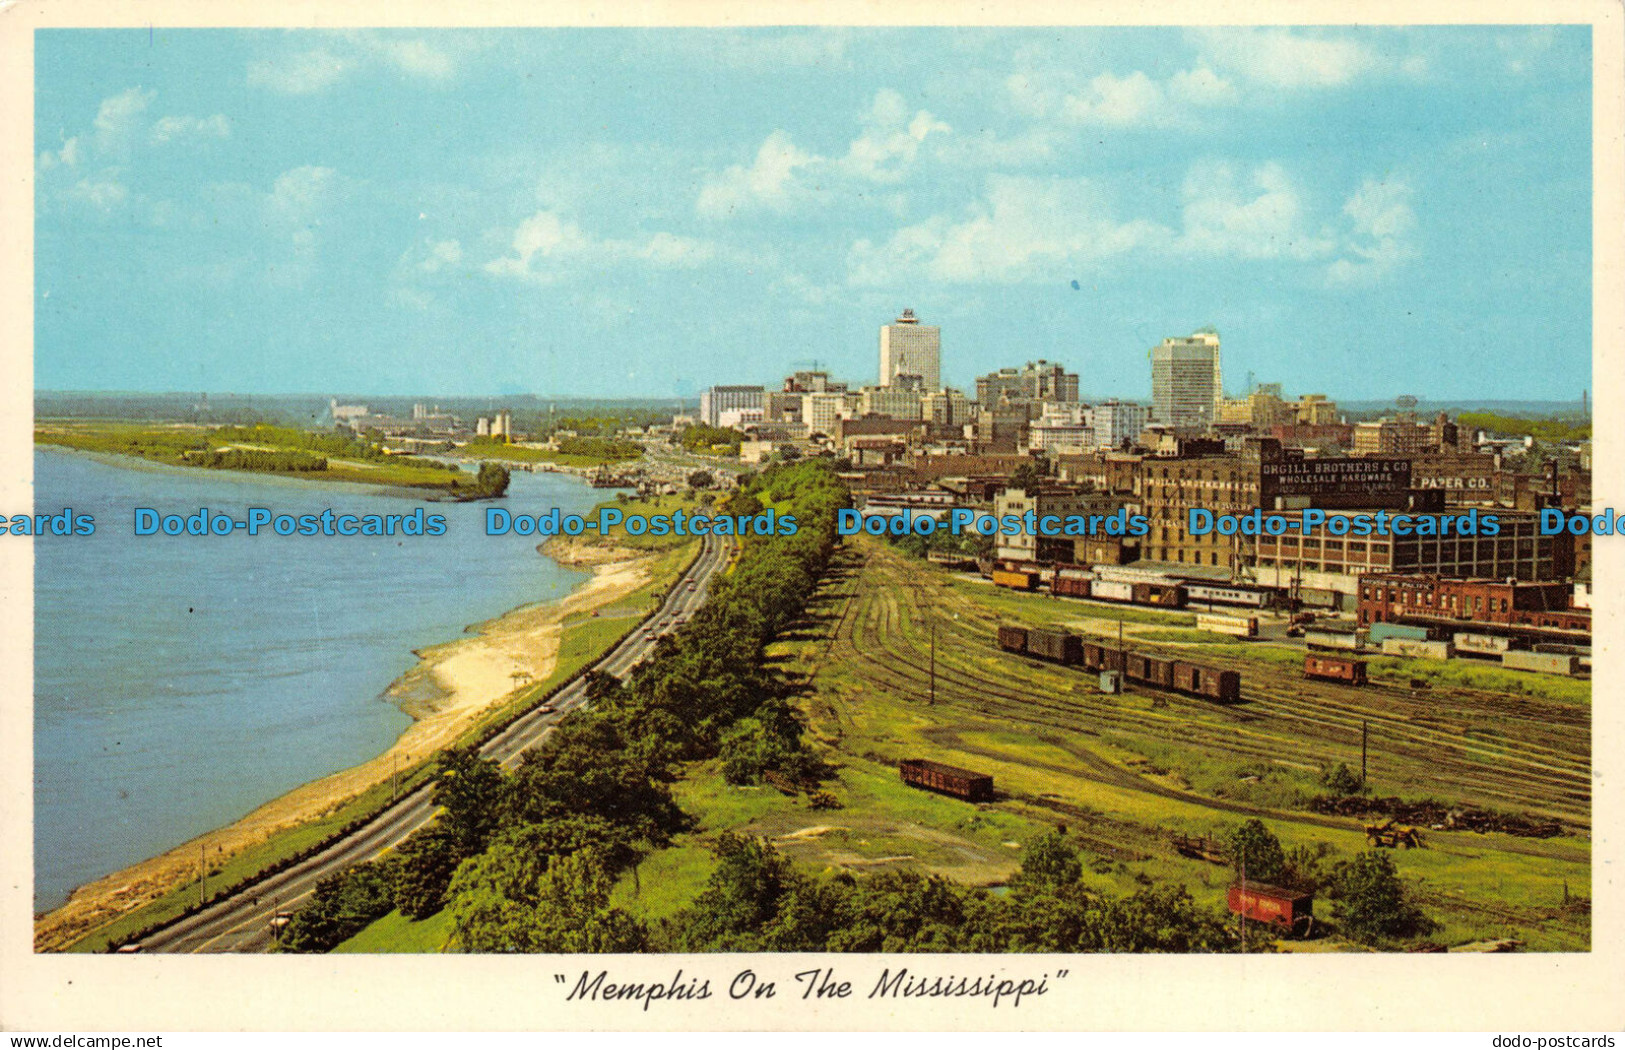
{"points": [[1059, 646], [1334, 668], [946, 780], [1067, 587], [1150, 670], [1207, 682], [1097, 657], [1286, 910], [1013, 639]]}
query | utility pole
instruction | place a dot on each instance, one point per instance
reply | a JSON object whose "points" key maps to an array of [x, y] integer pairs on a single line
{"points": [[931, 699], [202, 875], [393, 770], [1365, 732]]}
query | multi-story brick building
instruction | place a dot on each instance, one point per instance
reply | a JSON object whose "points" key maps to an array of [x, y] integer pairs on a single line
{"points": [[1384, 598]]}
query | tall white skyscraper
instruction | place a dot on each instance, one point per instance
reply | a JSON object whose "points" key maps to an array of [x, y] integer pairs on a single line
{"points": [[1185, 384], [910, 348]]}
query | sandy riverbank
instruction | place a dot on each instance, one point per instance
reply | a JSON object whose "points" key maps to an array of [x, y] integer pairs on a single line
{"points": [[448, 689]]}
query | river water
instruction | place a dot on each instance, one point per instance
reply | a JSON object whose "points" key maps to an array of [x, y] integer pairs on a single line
{"points": [[180, 682]]}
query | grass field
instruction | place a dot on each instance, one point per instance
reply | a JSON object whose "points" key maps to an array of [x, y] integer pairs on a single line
{"points": [[1124, 772], [172, 444], [395, 933]]}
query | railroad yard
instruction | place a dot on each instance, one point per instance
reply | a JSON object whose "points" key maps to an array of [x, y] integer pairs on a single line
{"points": [[900, 661]]}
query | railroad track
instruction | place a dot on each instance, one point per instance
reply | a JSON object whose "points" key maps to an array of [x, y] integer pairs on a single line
{"points": [[871, 632]]}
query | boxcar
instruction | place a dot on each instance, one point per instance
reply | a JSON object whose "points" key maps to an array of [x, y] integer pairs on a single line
{"points": [[946, 780], [1288, 910], [1239, 626], [1098, 657], [1381, 632], [1070, 587], [1112, 590], [1013, 639], [1059, 646], [1332, 639], [1018, 581], [1547, 663], [1170, 595], [1417, 650], [1149, 670], [1207, 682], [1334, 668]]}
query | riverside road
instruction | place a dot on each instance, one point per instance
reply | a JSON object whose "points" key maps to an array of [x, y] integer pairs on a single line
{"points": [[241, 921]]}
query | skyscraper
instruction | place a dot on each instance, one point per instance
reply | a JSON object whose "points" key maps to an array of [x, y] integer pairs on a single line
{"points": [[1185, 384], [908, 347]]}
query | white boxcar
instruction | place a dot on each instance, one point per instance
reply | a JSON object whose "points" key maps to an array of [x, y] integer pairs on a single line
{"points": [[1112, 590], [1240, 626], [1332, 639], [1417, 649]]}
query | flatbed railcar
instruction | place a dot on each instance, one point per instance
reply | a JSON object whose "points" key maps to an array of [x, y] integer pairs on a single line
{"points": [[946, 780], [1334, 668]]}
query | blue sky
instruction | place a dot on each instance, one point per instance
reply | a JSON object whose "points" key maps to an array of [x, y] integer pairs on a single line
{"points": [[1364, 212]]}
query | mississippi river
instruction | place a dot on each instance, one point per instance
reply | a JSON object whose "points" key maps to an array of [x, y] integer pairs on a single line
{"points": [[179, 682]]}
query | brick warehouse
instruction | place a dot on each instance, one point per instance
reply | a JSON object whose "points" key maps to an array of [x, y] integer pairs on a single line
{"points": [[1388, 597]]}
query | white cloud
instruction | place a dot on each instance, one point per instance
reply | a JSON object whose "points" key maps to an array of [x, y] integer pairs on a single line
{"points": [[1383, 224], [1025, 229], [298, 193], [1261, 217], [441, 255], [890, 140], [342, 55], [1285, 58], [119, 118], [170, 129], [1040, 229], [301, 73], [68, 155], [548, 246], [784, 178], [1109, 100], [104, 191], [768, 182]]}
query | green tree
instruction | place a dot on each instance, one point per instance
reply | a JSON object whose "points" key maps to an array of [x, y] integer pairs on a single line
{"points": [[1050, 861], [1342, 780], [510, 900], [701, 479], [1256, 852], [1369, 900], [471, 789], [425, 865], [741, 897]]}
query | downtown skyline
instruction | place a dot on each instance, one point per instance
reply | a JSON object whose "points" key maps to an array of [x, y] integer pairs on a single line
{"points": [[644, 213]]}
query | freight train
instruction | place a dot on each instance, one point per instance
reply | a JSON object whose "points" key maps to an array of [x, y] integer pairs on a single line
{"points": [[1334, 668], [1178, 676]]}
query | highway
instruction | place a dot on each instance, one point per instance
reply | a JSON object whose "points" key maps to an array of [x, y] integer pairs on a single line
{"points": [[241, 922]]}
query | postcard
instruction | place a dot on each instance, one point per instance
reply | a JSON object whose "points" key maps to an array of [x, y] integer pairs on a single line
{"points": [[692, 517]]}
